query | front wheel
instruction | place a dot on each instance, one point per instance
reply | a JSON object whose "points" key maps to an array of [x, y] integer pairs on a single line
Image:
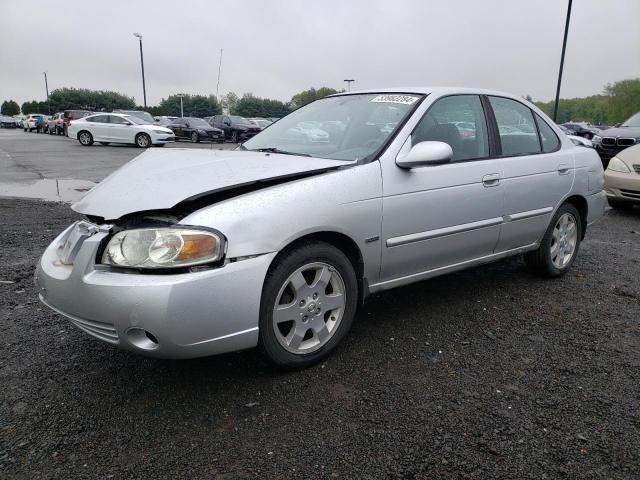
{"points": [[85, 138], [195, 138], [560, 244], [143, 140], [309, 300]]}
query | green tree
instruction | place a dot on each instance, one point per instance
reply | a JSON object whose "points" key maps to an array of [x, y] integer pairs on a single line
{"points": [[251, 106], [10, 108], [229, 102], [308, 96], [34, 107], [624, 99], [81, 98], [193, 106]]}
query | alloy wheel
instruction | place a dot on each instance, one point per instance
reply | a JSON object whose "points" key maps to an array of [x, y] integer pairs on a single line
{"points": [[563, 240], [309, 308]]}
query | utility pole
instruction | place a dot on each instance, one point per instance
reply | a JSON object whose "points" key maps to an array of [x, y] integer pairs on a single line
{"points": [[564, 47], [349, 81], [144, 88], [219, 72], [46, 86]]}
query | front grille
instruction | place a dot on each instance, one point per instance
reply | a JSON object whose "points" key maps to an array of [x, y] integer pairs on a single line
{"points": [[630, 193], [608, 141], [626, 142], [636, 167]]}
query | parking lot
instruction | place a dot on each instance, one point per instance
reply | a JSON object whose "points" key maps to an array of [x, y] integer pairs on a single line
{"points": [[486, 373]]}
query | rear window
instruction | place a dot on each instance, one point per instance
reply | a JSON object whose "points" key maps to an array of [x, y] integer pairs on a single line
{"points": [[549, 139]]}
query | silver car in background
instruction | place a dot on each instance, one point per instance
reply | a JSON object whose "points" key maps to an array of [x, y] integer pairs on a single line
{"points": [[188, 253]]}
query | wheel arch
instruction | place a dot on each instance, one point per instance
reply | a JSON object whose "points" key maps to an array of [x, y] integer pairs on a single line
{"points": [[342, 242], [581, 205]]}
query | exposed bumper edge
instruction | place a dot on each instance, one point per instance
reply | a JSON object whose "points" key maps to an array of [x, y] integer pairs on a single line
{"points": [[596, 204]]}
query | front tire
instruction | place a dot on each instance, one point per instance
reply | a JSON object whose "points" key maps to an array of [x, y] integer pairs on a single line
{"points": [[559, 246], [309, 300], [85, 138], [143, 140]]}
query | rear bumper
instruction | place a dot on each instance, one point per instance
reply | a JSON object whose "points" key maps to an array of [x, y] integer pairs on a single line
{"points": [[188, 314]]}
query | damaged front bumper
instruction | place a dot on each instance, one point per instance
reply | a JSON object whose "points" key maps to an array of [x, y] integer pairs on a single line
{"points": [[180, 315]]}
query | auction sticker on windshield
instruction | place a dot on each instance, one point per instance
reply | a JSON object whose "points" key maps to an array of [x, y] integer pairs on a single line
{"points": [[405, 99]]}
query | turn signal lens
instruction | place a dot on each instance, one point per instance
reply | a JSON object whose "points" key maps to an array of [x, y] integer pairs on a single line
{"points": [[163, 248]]}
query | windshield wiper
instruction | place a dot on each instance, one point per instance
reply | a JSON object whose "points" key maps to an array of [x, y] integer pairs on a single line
{"points": [[277, 150]]}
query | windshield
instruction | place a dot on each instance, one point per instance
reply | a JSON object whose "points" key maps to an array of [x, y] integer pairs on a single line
{"points": [[347, 127], [241, 120], [146, 116], [198, 122], [634, 121]]}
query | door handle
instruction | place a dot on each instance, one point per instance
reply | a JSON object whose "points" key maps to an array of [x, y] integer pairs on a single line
{"points": [[491, 180], [563, 169]]}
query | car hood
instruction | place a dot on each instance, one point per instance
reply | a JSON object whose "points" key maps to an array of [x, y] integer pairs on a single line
{"points": [[160, 179], [630, 155], [621, 132]]}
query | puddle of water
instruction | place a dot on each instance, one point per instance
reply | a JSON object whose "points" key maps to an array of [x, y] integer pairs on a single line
{"points": [[48, 189]]}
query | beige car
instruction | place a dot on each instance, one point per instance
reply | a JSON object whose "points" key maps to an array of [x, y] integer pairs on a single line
{"points": [[622, 179]]}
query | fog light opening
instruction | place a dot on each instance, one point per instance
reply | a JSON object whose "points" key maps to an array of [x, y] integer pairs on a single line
{"points": [[142, 339]]}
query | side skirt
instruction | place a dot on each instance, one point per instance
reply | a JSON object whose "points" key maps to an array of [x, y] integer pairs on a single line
{"points": [[417, 277]]}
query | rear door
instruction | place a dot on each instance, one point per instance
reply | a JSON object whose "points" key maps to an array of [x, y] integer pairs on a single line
{"points": [[538, 174], [99, 128]]}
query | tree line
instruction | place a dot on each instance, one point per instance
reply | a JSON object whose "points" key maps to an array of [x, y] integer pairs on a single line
{"points": [[618, 102], [248, 105]]}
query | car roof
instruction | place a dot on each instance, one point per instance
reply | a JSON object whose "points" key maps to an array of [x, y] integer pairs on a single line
{"points": [[432, 90]]}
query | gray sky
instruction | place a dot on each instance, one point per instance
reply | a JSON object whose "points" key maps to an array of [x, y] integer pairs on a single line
{"points": [[276, 48]]}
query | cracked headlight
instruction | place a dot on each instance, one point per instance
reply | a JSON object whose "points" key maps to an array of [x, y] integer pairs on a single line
{"points": [[163, 248]]}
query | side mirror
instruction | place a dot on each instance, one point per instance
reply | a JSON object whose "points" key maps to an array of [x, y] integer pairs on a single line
{"points": [[426, 153]]}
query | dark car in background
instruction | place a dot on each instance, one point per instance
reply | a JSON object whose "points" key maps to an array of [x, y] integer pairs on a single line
{"points": [[196, 130], [235, 128], [70, 115], [609, 143], [581, 130]]}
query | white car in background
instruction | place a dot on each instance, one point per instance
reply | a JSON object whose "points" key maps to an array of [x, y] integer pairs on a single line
{"points": [[107, 128]]}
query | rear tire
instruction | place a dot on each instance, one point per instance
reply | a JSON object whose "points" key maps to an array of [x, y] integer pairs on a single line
{"points": [[143, 140], [85, 138], [234, 137], [315, 284], [559, 246], [195, 138]]}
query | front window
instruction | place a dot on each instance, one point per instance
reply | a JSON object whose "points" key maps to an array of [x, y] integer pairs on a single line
{"points": [[198, 122], [634, 121], [346, 127], [240, 120]]}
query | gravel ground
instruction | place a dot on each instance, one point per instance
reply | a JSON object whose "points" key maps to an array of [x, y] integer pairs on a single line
{"points": [[488, 373]]}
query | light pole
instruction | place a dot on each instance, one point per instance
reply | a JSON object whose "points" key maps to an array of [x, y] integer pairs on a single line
{"points": [[564, 47], [46, 86], [144, 88], [349, 81], [181, 108], [219, 71]]}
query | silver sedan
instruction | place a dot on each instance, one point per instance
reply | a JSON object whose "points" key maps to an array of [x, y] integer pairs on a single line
{"points": [[188, 253]]}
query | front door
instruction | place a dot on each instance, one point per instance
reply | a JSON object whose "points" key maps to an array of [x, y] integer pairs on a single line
{"points": [[442, 215]]}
